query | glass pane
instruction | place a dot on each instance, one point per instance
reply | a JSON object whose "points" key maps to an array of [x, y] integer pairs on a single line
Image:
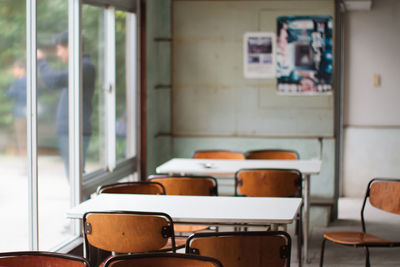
{"points": [[93, 101], [13, 157], [52, 66], [121, 88]]}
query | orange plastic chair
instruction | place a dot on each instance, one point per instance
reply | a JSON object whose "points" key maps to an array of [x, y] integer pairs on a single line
{"points": [[217, 154], [383, 194], [162, 260], [40, 259], [188, 185], [277, 154], [151, 188], [243, 249]]}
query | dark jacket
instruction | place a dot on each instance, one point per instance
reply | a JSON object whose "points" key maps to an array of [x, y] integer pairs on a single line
{"points": [[59, 80], [17, 91]]}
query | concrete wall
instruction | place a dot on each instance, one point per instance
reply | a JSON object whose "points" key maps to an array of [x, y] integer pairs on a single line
{"points": [[211, 105], [158, 77], [371, 114], [211, 96]]}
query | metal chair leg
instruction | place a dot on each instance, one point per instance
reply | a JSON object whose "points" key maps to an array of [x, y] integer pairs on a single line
{"points": [[321, 261], [367, 262], [299, 241]]}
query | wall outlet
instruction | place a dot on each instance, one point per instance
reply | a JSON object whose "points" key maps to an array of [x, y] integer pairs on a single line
{"points": [[377, 80]]}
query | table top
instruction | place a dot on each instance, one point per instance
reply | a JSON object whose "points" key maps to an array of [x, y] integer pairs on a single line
{"points": [[222, 166], [197, 209]]}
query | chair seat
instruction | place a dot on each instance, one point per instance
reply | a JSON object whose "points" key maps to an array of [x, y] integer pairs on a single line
{"points": [[183, 228], [357, 238]]}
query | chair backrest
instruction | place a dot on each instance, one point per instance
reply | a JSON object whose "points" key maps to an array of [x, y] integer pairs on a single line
{"points": [[162, 260], [384, 194], [127, 232], [243, 249], [151, 188], [277, 154], [40, 259], [187, 185], [217, 154], [268, 182]]}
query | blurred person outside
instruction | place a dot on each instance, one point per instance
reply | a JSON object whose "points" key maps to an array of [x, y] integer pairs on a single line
{"points": [[17, 91], [58, 80]]}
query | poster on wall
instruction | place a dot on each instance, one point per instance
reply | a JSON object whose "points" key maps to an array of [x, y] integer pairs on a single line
{"points": [[259, 55], [304, 55]]}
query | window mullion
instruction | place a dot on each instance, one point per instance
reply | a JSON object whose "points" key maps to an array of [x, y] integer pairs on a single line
{"points": [[31, 81], [131, 82], [109, 87], [75, 101]]}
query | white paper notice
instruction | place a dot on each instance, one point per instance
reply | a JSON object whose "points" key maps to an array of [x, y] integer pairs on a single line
{"points": [[259, 55]]}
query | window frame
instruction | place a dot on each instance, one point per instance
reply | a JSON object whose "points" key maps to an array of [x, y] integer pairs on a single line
{"points": [[83, 185]]}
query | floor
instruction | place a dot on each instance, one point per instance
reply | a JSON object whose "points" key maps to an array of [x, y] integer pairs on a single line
{"points": [[377, 222]]}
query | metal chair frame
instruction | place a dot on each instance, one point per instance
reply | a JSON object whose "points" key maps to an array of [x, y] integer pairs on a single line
{"points": [[366, 246]]}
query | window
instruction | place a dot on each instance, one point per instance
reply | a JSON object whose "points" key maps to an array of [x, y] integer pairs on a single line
{"points": [[13, 163], [60, 153]]}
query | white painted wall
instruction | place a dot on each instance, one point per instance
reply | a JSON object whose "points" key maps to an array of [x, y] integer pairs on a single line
{"points": [[371, 114]]}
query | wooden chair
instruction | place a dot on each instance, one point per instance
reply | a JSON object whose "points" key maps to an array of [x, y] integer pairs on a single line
{"points": [[151, 188], [127, 232], [268, 182], [277, 154], [40, 259], [187, 185], [243, 249], [217, 154], [383, 194], [162, 260], [272, 183]]}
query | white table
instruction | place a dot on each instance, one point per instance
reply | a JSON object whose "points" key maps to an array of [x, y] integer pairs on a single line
{"points": [[228, 168], [208, 210]]}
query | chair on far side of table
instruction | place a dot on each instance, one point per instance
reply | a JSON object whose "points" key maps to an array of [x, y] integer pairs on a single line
{"points": [[40, 259], [187, 185], [217, 154], [272, 154], [383, 194], [162, 260], [150, 188], [243, 249]]}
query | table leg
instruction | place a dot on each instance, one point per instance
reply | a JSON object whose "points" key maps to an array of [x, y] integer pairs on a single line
{"points": [[274, 227], [306, 215]]}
